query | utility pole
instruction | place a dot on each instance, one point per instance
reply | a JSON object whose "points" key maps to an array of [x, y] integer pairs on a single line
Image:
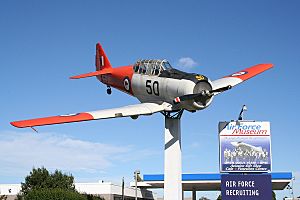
{"points": [[136, 173], [123, 189]]}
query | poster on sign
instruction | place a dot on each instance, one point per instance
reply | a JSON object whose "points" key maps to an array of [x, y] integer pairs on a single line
{"points": [[256, 187], [245, 146]]}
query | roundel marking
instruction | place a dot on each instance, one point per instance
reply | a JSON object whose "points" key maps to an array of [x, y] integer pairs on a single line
{"points": [[126, 84], [239, 73], [69, 115]]}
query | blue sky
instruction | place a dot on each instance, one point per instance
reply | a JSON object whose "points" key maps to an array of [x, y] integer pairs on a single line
{"points": [[44, 43]]}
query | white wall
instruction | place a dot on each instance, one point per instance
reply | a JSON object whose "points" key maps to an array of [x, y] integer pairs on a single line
{"points": [[10, 189]]}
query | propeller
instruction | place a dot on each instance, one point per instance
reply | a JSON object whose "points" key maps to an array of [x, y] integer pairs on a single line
{"points": [[202, 96]]}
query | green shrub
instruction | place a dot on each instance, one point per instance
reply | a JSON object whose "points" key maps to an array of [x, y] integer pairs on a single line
{"points": [[42, 185], [41, 178]]}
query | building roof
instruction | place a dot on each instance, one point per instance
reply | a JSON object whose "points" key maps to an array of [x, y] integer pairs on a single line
{"points": [[208, 181]]}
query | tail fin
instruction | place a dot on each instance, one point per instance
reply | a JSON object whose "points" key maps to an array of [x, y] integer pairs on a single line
{"points": [[101, 60]]}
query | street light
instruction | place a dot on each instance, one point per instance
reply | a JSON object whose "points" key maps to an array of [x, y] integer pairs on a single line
{"points": [[290, 188], [293, 178], [123, 187], [136, 173], [241, 116]]}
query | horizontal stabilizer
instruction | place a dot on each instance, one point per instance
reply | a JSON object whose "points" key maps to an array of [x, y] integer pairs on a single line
{"points": [[96, 73]]}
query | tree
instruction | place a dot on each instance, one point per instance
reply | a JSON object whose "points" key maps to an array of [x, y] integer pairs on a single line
{"points": [[204, 198], [42, 185], [3, 197], [57, 194], [41, 178], [53, 194], [219, 197]]}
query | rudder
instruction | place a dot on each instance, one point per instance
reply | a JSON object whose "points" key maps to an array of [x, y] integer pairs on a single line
{"points": [[101, 60]]}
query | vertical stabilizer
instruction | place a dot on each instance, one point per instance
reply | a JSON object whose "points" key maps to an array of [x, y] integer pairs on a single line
{"points": [[101, 60]]}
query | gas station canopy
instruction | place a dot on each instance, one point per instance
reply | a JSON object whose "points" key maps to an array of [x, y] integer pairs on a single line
{"points": [[208, 182]]}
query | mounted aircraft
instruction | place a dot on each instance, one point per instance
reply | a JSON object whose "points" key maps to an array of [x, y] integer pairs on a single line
{"points": [[156, 84], [247, 147]]}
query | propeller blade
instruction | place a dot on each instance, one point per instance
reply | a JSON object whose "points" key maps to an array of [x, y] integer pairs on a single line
{"points": [[222, 89], [189, 97], [201, 95], [185, 97]]}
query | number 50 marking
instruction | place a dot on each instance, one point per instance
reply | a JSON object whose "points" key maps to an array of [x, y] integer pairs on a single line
{"points": [[152, 89]]}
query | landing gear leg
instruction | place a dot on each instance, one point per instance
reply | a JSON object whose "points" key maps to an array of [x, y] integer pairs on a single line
{"points": [[108, 91]]}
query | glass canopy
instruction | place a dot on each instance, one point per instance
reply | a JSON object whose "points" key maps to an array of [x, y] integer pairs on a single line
{"points": [[151, 67]]}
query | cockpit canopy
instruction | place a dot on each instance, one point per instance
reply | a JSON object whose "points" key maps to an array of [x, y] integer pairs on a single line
{"points": [[151, 67]]}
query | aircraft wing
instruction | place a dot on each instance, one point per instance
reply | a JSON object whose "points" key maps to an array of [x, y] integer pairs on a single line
{"points": [[126, 111], [240, 76]]}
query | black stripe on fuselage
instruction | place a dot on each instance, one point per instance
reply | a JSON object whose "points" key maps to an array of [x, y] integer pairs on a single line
{"points": [[177, 74]]}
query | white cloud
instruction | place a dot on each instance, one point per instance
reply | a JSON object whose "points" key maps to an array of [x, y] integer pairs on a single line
{"points": [[187, 62], [19, 152], [195, 144]]}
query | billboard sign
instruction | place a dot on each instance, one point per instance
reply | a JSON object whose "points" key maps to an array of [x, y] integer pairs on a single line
{"points": [[258, 186], [245, 146]]}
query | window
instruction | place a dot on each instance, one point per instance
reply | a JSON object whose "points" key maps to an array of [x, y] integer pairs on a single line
{"points": [[167, 65]]}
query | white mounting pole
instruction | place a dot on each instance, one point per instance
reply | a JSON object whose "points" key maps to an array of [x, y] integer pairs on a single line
{"points": [[173, 171]]}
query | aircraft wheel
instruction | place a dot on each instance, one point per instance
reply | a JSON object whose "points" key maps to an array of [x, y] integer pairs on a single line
{"points": [[108, 91]]}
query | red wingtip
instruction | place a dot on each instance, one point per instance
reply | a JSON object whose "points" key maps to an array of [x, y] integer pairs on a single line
{"points": [[52, 120], [16, 124], [268, 65], [251, 71]]}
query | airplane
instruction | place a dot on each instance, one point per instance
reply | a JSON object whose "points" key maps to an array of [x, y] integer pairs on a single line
{"points": [[156, 84], [245, 146]]}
